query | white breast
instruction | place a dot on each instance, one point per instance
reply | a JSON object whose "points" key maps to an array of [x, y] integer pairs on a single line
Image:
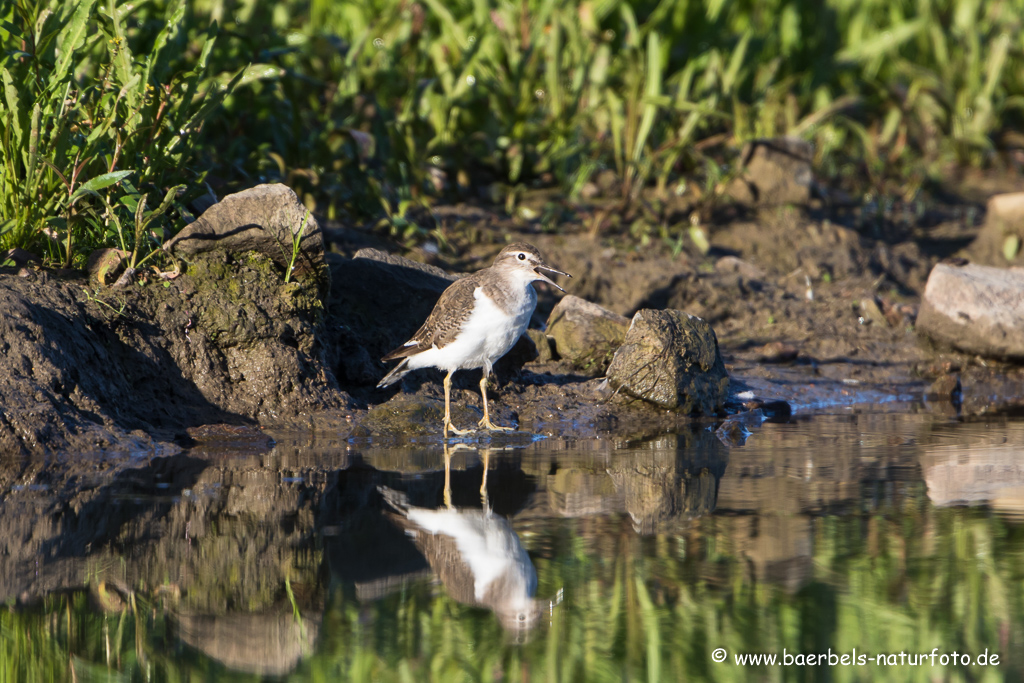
{"points": [[486, 336], [488, 546]]}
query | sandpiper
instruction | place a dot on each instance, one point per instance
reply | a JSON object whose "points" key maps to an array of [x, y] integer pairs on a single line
{"points": [[475, 322], [478, 557]]}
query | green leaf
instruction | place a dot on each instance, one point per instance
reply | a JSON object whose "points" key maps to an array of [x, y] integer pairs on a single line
{"points": [[652, 90], [33, 151], [699, 239], [449, 24], [881, 43], [1011, 246], [253, 72], [71, 38], [12, 29], [13, 105], [736, 61], [122, 54], [94, 185]]}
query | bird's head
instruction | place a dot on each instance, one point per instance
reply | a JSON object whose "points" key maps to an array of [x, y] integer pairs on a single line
{"points": [[519, 620], [524, 260]]}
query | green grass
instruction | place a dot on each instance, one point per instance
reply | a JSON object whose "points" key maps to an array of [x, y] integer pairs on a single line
{"points": [[369, 109]]}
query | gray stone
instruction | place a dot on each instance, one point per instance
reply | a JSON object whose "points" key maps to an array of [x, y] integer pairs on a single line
{"points": [[268, 644], [671, 359], [265, 218], [402, 262], [415, 415], [1000, 242], [978, 309], [774, 172], [543, 345], [19, 258], [586, 334], [522, 352], [870, 310], [736, 265], [670, 481]]}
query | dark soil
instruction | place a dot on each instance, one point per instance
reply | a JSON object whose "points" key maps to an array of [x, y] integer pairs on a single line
{"points": [[91, 368], [812, 306]]}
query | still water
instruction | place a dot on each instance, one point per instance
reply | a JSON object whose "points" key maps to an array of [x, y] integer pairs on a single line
{"points": [[891, 539]]}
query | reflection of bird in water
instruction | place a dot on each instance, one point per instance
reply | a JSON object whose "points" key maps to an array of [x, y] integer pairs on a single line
{"points": [[477, 556]]}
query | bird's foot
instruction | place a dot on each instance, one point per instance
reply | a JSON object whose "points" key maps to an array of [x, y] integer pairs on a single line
{"points": [[449, 427], [490, 426]]}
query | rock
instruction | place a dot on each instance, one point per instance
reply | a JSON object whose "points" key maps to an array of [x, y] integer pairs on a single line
{"points": [[120, 370], [543, 345], [735, 430], [670, 481], [732, 433], [19, 258], [416, 415], [521, 353], [947, 388], [579, 492], [777, 352], [978, 309], [589, 191], [671, 359], [402, 262], [266, 219], [870, 310], [969, 474], [1000, 239], [180, 528], [608, 183], [736, 265], [776, 171], [586, 334], [377, 302], [269, 644], [773, 411]]}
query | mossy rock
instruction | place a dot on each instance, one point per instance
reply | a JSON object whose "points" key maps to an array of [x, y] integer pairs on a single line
{"points": [[586, 334], [671, 359], [415, 415]]}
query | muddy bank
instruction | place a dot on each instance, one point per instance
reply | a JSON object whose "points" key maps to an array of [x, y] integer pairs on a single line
{"points": [[89, 369], [812, 308]]}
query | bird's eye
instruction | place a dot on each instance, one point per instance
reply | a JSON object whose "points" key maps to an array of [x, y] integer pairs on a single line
{"points": [[522, 257], [522, 617]]}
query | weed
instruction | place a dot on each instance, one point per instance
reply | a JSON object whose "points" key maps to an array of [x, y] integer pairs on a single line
{"points": [[89, 128], [374, 108], [297, 236]]}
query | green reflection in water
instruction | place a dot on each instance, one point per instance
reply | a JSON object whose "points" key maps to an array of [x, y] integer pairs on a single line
{"points": [[910, 578], [883, 572]]}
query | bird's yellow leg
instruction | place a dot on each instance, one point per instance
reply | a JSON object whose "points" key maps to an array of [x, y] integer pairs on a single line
{"points": [[447, 409], [483, 484], [447, 477], [486, 422]]}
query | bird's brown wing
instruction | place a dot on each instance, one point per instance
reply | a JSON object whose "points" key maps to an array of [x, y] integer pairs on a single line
{"points": [[445, 321], [445, 559]]}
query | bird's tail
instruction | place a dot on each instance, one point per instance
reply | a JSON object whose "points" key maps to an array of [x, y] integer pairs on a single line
{"points": [[397, 373], [397, 500]]}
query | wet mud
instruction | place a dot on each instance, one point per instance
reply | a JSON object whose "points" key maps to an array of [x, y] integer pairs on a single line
{"points": [[806, 309]]}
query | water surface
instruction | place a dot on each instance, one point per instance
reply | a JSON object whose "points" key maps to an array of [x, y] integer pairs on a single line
{"points": [[610, 559]]}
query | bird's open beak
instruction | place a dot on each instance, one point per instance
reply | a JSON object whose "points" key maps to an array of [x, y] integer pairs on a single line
{"points": [[545, 278]]}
